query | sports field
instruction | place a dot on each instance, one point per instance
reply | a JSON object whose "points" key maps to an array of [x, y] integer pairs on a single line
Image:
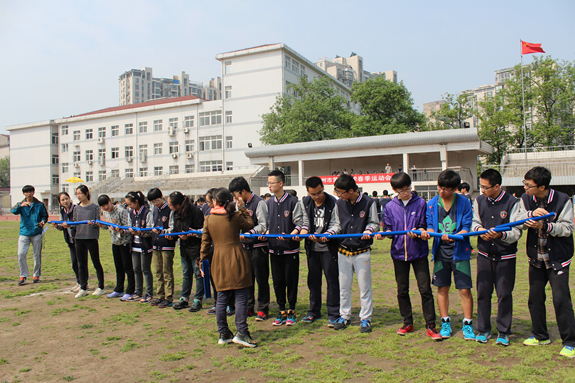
{"points": [[46, 335]]}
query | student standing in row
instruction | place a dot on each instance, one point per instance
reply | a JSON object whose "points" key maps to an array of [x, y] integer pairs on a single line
{"points": [[497, 255], [357, 214], [67, 214], [87, 241]]}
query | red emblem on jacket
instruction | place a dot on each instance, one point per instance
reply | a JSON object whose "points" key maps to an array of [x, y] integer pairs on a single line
{"points": [[286, 213]]}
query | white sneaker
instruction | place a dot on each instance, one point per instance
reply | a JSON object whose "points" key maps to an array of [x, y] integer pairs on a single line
{"points": [[99, 291], [81, 293], [76, 288]]}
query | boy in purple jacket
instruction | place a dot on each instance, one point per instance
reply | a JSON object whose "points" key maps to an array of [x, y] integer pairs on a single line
{"points": [[407, 212]]}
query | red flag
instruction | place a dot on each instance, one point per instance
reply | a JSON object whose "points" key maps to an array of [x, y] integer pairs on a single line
{"points": [[527, 48]]}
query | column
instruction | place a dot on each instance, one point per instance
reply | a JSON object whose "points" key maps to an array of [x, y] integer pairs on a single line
{"points": [[300, 172], [443, 156], [406, 163], [271, 164]]}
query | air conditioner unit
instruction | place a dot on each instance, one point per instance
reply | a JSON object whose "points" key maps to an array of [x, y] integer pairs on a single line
{"points": [[170, 131], [76, 165], [186, 130], [89, 162], [100, 140], [190, 155], [144, 157], [129, 159], [101, 160], [174, 155]]}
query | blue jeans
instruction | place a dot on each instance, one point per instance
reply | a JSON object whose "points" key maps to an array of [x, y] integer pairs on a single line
{"points": [[189, 269]]}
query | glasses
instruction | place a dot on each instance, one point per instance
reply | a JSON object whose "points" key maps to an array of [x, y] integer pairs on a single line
{"points": [[526, 186], [272, 183], [340, 192], [485, 187], [404, 191], [315, 194]]}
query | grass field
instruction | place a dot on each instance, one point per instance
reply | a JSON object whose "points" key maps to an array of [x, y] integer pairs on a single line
{"points": [[46, 335]]}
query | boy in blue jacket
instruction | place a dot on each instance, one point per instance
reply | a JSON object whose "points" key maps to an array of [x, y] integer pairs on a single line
{"points": [[450, 213], [407, 211]]}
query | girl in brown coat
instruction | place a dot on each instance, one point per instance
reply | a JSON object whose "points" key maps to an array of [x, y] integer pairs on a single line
{"points": [[230, 266]]}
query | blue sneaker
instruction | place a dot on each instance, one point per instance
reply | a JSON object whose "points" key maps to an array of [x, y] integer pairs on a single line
{"points": [[115, 294], [483, 337], [502, 339], [467, 329], [125, 297], [331, 323], [309, 319], [445, 331], [365, 326], [341, 323]]}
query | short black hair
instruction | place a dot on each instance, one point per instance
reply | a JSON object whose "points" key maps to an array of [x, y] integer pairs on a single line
{"points": [[279, 174], [374, 193], [385, 192], [103, 200], [201, 199], [464, 185], [492, 176], [238, 184], [345, 182], [313, 182], [400, 180], [540, 175], [154, 193], [448, 178], [292, 192], [28, 188]]}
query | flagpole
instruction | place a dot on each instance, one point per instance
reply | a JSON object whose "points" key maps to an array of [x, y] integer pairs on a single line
{"points": [[523, 100]]}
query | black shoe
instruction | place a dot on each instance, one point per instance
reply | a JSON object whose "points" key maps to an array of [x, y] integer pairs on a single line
{"points": [[36, 279], [196, 306], [226, 337], [21, 281], [181, 304], [244, 339], [341, 323]]}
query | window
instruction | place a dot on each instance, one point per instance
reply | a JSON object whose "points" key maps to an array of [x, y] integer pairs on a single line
{"points": [[54, 159], [228, 116], [115, 152], [65, 187], [174, 169], [288, 63], [64, 167], [129, 128], [303, 71], [102, 132], [77, 174], [101, 175], [211, 118], [89, 176], [115, 130], [115, 173], [64, 148], [129, 150], [190, 168], [89, 134], [143, 127], [229, 166], [173, 123], [288, 90], [229, 142], [295, 66], [228, 67], [228, 90], [174, 147], [157, 125], [158, 170], [210, 166], [210, 143], [102, 153], [55, 179], [129, 172], [189, 121], [143, 172], [64, 130], [89, 155], [76, 156], [144, 150], [189, 146], [76, 135], [158, 148]]}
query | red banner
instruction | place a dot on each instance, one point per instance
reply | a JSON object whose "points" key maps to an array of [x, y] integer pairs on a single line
{"points": [[360, 178]]}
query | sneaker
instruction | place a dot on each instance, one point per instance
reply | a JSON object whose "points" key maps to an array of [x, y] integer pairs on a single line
{"points": [[76, 288], [81, 293], [467, 329], [115, 294], [291, 318], [261, 316], [226, 337], [21, 281], [134, 298], [433, 333], [230, 311], [250, 313], [36, 279], [535, 342], [341, 323], [146, 299], [99, 292], [244, 339], [445, 331], [125, 297], [181, 304], [280, 319], [405, 329], [365, 326], [483, 337], [568, 351], [331, 323], [165, 303], [156, 301], [309, 319], [502, 339], [212, 311], [196, 306]]}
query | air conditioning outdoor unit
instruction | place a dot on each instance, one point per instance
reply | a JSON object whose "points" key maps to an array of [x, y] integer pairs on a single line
{"points": [[190, 155], [144, 157], [76, 165], [89, 162], [101, 160], [170, 131], [174, 155], [100, 140], [129, 159], [186, 130]]}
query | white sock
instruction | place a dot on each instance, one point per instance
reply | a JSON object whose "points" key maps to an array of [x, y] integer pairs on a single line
{"points": [[467, 320], [445, 319]]}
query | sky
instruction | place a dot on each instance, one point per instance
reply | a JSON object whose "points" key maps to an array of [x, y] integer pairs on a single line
{"points": [[62, 58]]}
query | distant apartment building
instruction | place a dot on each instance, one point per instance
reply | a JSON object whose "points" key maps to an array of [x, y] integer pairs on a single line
{"points": [[349, 70], [4, 146], [139, 85]]}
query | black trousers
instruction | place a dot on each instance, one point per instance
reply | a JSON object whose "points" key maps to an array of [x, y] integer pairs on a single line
{"points": [[83, 246], [225, 299], [326, 262], [259, 259], [423, 278], [123, 264], [74, 261], [559, 281], [501, 276], [285, 275]]}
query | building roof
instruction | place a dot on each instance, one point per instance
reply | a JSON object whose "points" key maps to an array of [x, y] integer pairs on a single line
{"points": [[141, 105]]}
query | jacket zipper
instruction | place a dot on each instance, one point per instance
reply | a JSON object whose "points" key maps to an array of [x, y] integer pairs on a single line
{"points": [[405, 228]]}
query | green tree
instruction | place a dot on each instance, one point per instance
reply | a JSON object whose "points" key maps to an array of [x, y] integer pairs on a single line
{"points": [[312, 111], [386, 108], [5, 172], [453, 112]]}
